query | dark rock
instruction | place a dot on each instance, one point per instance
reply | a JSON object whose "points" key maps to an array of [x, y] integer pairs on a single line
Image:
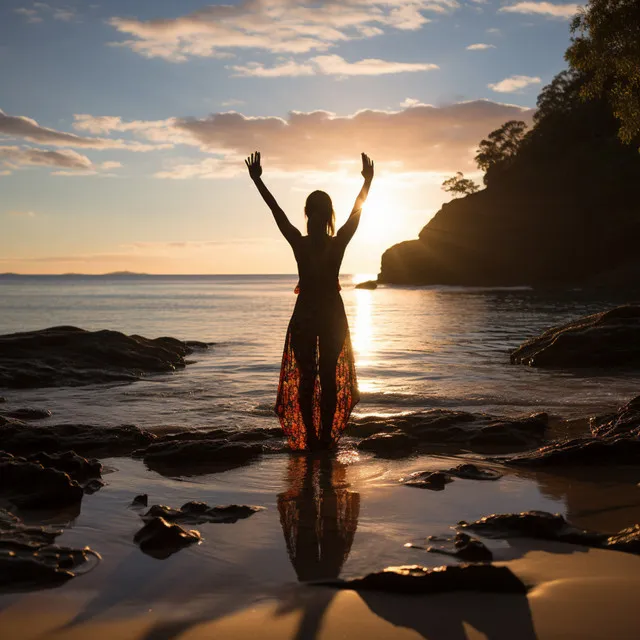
{"points": [[626, 540], [533, 524], [414, 579], [2, 399], [141, 500], [469, 471], [81, 438], [463, 547], [93, 485], [200, 512], [434, 480], [607, 339], [29, 560], [27, 414], [459, 430], [78, 468], [195, 344], [389, 445], [68, 356], [160, 539], [581, 451], [625, 422], [547, 526], [368, 284], [29, 485], [196, 457]]}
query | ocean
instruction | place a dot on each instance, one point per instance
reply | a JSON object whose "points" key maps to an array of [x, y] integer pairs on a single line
{"points": [[416, 348]]}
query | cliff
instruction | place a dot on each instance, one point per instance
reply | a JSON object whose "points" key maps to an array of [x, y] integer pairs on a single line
{"points": [[564, 210]]}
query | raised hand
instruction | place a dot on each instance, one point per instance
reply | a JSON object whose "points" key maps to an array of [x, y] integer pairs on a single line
{"points": [[253, 164], [367, 167]]}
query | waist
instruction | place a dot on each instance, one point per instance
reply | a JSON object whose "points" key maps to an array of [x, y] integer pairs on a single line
{"points": [[317, 288]]}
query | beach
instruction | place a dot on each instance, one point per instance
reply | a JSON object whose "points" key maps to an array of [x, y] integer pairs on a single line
{"points": [[322, 519]]}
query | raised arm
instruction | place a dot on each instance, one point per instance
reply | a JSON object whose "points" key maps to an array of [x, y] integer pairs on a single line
{"points": [[346, 231], [255, 172]]}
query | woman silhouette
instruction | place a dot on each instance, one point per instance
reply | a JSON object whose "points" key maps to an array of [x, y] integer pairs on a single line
{"points": [[318, 386]]}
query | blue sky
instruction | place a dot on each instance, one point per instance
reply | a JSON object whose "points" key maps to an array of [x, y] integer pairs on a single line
{"points": [[124, 124]]}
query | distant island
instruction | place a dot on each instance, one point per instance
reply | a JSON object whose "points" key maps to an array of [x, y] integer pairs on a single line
{"points": [[560, 206], [113, 274]]}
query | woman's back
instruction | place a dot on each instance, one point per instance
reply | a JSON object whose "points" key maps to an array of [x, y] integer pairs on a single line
{"points": [[319, 259]]}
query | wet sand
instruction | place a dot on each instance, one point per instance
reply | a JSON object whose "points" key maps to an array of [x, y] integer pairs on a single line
{"points": [[348, 519]]}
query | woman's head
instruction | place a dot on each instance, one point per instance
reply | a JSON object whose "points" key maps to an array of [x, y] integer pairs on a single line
{"points": [[319, 212]]}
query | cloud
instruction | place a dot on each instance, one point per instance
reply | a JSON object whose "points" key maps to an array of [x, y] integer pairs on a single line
{"points": [[543, 8], [278, 26], [28, 129], [232, 102], [41, 10], [418, 138], [493, 31], [332, 65], [110, 165], [13, 157], [411, 102], [31, 15], [514, 84], [480, 46]]}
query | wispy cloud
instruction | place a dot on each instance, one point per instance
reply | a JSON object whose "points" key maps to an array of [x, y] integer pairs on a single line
{"points": [[514, 84], [480, 46], [548, 9], [41, 10], [332, 65], [14, 157], [272, 25], [21, 127]]}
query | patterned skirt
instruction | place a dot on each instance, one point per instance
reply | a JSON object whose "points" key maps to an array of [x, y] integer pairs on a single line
{"points": [[317, 348]]}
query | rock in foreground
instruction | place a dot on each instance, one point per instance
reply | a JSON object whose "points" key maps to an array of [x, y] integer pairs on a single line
{"points": [[615, 439], [414, 579], [200, 512], [549, 526], [29, 559], [607, 339], [68, 356], [160, 539]]}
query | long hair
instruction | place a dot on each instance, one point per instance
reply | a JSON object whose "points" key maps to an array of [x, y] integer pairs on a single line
{"points": [[320, 214]]}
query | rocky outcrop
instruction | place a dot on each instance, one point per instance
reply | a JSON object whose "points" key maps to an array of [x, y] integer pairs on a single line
{"points": [[367, 284], [437, 480], [26, 414], [414, 579], [548, 526], [200, 512], [161, 539], [615, 439], [461, 546], [607, 339], [29, 559], [68, 356], [196, 457], [400, 436], [21, 438], [29, 485]]}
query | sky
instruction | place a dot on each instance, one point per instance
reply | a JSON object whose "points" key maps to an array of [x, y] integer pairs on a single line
{"points": [[124, 124]]}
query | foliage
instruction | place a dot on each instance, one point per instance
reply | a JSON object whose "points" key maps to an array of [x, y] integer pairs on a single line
{"points": [[458, 185], [499, 148], [606, 49]]}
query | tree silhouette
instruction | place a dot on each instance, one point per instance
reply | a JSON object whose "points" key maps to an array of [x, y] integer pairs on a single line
{"points": [[606, 48], [499, 148], [458, 185]]}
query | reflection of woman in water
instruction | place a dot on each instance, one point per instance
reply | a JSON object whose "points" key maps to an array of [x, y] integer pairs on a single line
{"points": [[318, 386], [319, 517]]}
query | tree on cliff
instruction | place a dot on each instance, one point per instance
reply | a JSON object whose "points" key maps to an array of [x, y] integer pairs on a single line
{"points": [[498, 149], [606, 49], [458, 185]]}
